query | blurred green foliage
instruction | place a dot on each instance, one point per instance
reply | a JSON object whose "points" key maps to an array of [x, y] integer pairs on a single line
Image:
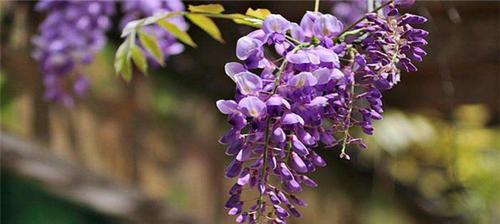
{"points": [[24, 202], [453, 165]]}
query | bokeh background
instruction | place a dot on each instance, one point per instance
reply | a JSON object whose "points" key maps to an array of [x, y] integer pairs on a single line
{"points": [[147, 151]]}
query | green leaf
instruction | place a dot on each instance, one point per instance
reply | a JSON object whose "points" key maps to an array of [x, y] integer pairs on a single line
{"points": [[176, 32], [207, 25], [122, 60], [245, 20], [127, 70], [139, 59], [258, 13], [209, 8], [130, 27], [151, 45]]}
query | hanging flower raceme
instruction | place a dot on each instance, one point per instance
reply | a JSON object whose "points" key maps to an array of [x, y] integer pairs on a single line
{"points": [[318, 85], [74, 31], [69, 37]]}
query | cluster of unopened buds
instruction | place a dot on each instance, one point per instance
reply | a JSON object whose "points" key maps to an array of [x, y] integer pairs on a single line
{"points": [[302, 86]]}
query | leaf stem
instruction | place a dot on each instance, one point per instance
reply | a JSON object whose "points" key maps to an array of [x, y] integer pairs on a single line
{"points": [[137, 24]]}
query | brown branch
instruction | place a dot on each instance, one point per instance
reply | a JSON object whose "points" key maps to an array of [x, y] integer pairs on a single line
{"points": [[69, 181]]}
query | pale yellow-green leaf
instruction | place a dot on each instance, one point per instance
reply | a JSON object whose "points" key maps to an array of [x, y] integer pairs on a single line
{"points": [[176, 32], [151, 45], [245, 20], [208, 8], [130, 27], [258, 13], [127, 70], [139, 59], [207, 25], [122, 60]]}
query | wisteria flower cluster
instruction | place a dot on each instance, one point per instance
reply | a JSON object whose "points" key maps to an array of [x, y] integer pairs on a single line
{"points": [[74, 31], [301, 86], [69, 37]]}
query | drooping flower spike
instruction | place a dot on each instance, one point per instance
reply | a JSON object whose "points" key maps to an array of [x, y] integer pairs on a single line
{"points": [[74, 31], [69, 37], [321, 84]]}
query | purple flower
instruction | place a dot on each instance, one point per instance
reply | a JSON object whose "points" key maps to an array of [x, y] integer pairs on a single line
{"points": [[283, 112], [247, 47], [68, 38], [252, 106], [248, 83], [303, 79], [327, 26], [275, 27]]}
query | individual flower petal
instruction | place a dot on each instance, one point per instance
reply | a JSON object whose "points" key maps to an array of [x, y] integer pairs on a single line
{"points": [[280, 212], [233, 68], [307, 22], [293, 185], [297, 201], [303, 79], [317, 160], [319, 101], [323, 75], [327, 26], [279, 135], [247, 46], [299, 147], [227, 106], [337, 75], [275, 24], [244, 154], [294, 212], [277, 100], [327, 55], [248, 83], [309, 182], [285, 172], [273, 198], [233, 169], [234, 210], [297, 32], [297, 163], [244, 178], [242, 218], [292, 118], [252, 106], [234, 147]]}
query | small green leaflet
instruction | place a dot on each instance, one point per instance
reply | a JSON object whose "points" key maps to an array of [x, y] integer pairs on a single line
{"points": [[209, 8], [258, 13], [176, 32], [139, 59], [253, 17], [207, 25], [151, 45], [122, 60]]}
